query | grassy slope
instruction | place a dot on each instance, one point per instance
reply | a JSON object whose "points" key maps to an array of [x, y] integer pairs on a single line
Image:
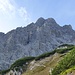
{"points": [[67, 65], [41, 70]]}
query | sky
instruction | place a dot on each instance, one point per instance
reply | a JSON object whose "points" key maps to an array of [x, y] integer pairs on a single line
{"points": [[19, 13]]}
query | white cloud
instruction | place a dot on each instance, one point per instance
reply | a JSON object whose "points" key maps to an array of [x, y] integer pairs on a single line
{"points": [[12, 15], [6, 7], [23, 13]]}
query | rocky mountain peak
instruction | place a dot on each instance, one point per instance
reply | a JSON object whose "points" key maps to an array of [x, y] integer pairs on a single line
{"points": [[67, 26], [40, 21], [50, 20]]}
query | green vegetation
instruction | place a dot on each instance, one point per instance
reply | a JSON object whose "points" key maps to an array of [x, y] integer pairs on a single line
{"points": [[68, 71], [4, 71], [21, 61], [66, 63], [44, 55]]}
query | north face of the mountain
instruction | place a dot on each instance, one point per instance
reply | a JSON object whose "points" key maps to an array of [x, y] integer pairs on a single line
{"points": [[35, 39]]}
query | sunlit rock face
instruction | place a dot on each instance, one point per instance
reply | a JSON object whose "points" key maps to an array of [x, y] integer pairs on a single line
{"points": [[33, 40]]}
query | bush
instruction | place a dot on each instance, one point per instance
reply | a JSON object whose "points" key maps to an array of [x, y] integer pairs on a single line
{"points": [[44, 55], [64, 50], [22, 61], [4, 71]]}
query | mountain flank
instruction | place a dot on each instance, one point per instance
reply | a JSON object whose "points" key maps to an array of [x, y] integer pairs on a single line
{"points": [[35, 39]]}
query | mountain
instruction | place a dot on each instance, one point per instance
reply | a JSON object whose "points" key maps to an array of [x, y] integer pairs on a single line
{"points": [[33, 40]]}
